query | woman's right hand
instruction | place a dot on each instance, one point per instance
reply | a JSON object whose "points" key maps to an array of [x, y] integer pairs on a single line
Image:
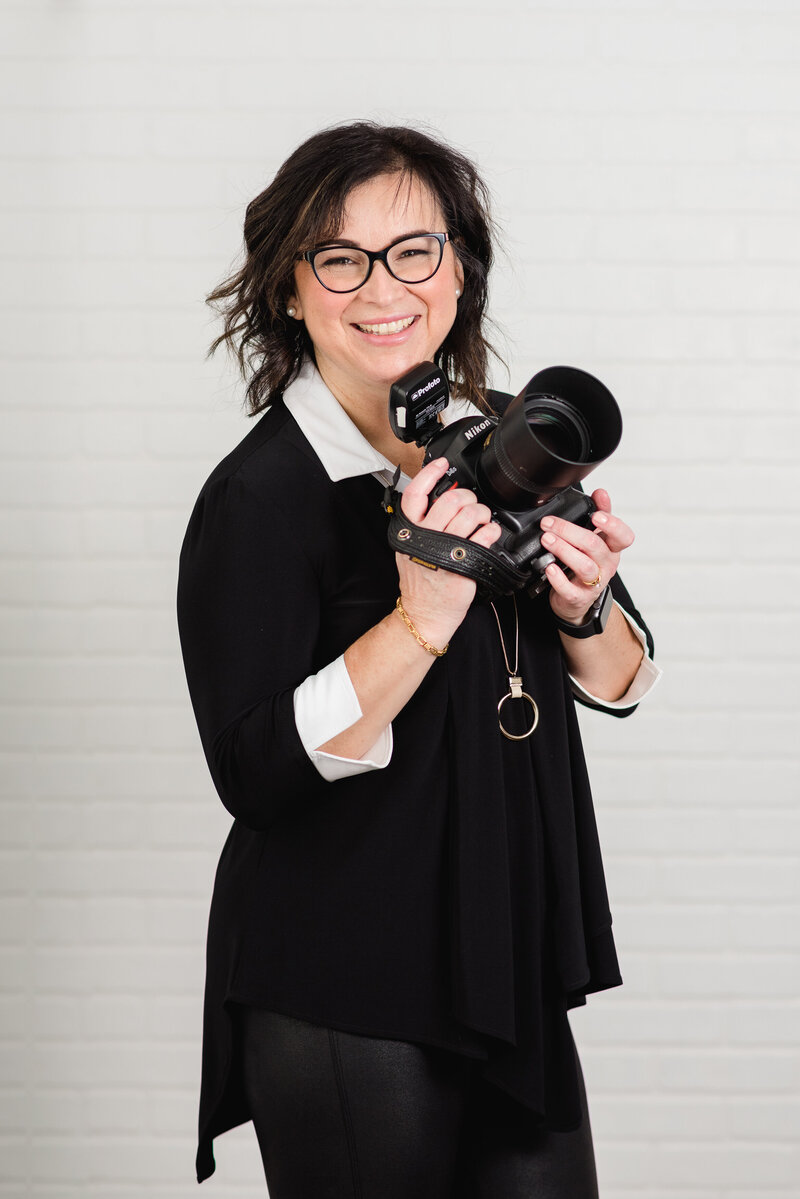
{"points": [[386, 664], [436, 601]]}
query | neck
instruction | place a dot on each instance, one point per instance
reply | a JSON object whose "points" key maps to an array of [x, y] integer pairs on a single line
{"points": [[369, 412]]}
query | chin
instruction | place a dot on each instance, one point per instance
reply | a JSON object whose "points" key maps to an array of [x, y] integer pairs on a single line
{"points": [[396, 365]]}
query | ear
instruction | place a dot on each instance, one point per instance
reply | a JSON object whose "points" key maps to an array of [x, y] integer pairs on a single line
{"points": [[459, 272], [293, 302]]}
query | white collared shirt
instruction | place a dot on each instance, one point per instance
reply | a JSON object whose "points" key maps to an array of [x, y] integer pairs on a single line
{"points": [[325, 704]]}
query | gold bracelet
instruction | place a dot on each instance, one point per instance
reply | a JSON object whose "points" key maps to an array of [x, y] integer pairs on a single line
{"points": [[437, 653]]}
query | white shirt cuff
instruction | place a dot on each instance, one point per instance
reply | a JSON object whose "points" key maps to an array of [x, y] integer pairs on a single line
{"points": [[325, 704], [642, 682]]}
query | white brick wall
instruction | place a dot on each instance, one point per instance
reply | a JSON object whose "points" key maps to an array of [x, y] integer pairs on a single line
{"points": [[645, 159]]}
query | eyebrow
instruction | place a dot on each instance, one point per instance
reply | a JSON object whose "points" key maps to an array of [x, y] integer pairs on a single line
{"points": [[353, 245]]}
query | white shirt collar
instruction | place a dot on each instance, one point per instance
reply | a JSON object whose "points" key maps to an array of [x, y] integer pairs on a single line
{"points": [[341, 448]]}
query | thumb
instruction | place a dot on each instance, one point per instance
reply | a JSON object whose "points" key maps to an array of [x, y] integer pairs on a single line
{"points": [[601, 500], [414, 502]]}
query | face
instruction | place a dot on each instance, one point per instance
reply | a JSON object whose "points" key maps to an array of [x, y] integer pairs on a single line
{"points": [[355, 356]]}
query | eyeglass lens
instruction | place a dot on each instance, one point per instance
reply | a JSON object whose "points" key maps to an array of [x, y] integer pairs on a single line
{"points": [[412, 260]]}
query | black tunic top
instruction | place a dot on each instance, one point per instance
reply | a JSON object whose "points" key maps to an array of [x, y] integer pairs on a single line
{"points": [[455, 898]]}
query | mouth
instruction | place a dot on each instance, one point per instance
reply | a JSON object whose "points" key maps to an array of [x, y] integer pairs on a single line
{"points": [[383, 328]]}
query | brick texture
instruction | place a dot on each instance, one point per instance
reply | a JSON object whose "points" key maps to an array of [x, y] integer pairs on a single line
{"points": [[645, 160]]}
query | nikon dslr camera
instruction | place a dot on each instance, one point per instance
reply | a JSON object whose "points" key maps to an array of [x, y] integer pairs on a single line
{"points": [[524, 465]]}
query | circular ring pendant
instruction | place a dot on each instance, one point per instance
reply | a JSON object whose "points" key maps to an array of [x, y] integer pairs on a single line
{"points": [[534, 708]]}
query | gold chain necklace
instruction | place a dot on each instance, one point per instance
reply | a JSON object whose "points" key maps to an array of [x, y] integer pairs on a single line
{"points": [[514, 680]]}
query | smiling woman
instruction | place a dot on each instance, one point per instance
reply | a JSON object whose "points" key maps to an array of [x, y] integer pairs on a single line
{"points": [[305, 209], [409, 900], [368, 333]]}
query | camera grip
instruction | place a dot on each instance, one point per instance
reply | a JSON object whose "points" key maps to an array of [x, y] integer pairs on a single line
{"points": [[435, 550]]}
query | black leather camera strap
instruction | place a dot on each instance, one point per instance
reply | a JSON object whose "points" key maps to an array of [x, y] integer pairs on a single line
{"points": [[443, 550]]}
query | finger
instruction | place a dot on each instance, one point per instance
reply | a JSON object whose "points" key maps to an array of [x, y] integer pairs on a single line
{"points": [[575, 594], [446, 508], [585, 569], [616, 534], [468, 519], [564, 531], [414, 502], [601, 500], [487, 535], [563, 585]]}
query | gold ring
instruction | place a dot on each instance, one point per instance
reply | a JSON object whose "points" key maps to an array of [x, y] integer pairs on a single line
{"points": [[592, 582]]}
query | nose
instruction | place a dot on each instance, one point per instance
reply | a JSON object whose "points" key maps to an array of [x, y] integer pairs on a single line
{"points": [[381, 286]]}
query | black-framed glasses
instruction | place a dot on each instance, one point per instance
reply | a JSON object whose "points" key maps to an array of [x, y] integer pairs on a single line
{"points": [[409, 259]]}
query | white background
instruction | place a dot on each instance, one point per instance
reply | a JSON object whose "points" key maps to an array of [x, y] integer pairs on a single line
{"points": [[645, 164]]}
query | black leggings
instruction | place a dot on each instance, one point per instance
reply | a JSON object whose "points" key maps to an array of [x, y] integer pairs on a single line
{"points": [[340, 1116]]}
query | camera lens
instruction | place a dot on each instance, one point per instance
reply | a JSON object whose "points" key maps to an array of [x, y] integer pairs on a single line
{"points": [[559, 427], [550, 437]]}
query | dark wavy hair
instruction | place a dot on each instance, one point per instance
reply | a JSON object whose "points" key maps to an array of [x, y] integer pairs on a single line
{"points": [[304, 205]]}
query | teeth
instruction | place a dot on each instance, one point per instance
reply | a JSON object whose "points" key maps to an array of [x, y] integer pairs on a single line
{"points": [[388, 327]]}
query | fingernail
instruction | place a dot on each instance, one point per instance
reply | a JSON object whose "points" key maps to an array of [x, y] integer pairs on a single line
{"points": [[547, 523], [599, 518], [548, 539]]}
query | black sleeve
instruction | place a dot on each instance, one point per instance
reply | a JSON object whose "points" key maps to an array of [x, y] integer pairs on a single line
{"points": [[620, 594], [248, 614]]}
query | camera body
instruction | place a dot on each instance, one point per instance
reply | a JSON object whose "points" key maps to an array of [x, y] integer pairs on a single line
{"points": [[524, 464]]}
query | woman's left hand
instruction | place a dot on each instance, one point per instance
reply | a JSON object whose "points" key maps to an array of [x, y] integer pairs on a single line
{"points": [[591, 556]]}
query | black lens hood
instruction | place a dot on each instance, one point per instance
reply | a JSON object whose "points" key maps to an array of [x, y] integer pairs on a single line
{"points": [[520, 466]]}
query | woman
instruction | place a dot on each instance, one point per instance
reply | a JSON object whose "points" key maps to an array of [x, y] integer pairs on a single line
{"points": [[408, 901]]}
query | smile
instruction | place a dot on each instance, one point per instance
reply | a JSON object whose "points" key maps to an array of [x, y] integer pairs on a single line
{"points": [[388, 326]]}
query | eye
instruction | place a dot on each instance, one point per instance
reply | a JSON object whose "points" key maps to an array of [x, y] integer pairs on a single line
{"points": [[415, 252], [416, 258], [330, 260]]}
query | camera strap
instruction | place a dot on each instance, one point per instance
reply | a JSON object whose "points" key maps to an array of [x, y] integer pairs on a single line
{"points": [[434, 550]]}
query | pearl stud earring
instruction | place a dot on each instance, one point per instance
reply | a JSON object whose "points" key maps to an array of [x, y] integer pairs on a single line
{"points": [[290, 311]]}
